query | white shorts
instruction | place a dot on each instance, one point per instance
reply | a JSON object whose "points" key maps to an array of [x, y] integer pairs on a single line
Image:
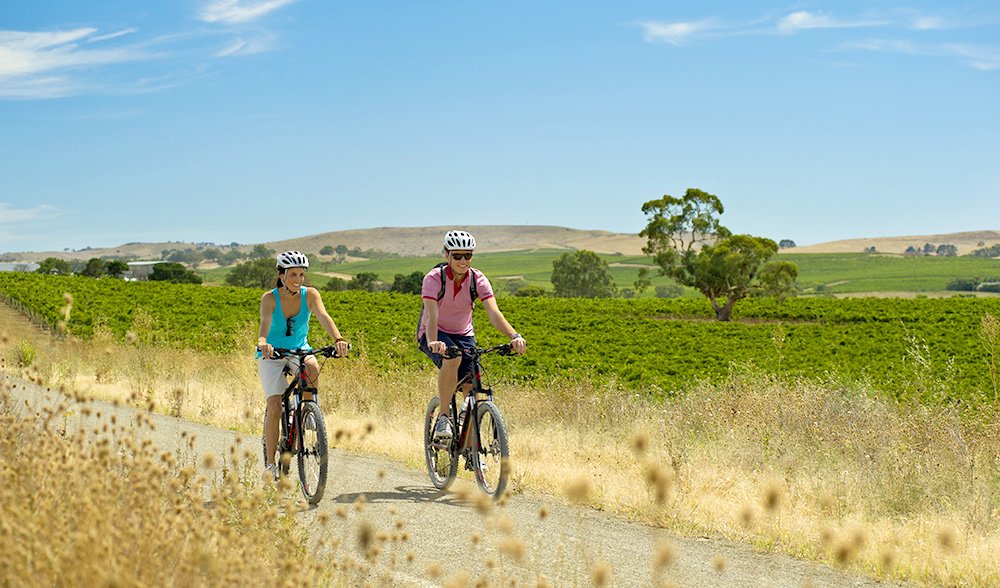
{"points": [[272, 379]]}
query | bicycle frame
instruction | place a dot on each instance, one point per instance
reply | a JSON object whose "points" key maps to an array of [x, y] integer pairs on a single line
{"points": [[462, 441], [475, 376], [442, 456], [298, 384]]}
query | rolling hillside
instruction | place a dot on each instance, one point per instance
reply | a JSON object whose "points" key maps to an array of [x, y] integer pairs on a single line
{"points": [[424, 241]]}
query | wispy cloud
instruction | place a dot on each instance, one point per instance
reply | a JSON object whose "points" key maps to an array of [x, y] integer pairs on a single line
{"points": [[241, 46], [239, 11], [9, 214], [20, 226], [63, 63], [32, 64], [986, 58], [979, 57], [803, 20], [927, 23], [675, 33], [113, 35]]}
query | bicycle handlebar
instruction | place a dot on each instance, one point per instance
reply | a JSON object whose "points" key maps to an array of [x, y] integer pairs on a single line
{"points": [[328, 351], [453, 352]]}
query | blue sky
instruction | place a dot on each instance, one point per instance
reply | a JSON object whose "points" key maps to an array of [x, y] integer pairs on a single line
{"points": [[254, 121]]}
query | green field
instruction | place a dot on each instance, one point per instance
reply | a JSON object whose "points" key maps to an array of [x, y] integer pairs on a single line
{"points": [[929, 349], [860, 272], [834, 273]]}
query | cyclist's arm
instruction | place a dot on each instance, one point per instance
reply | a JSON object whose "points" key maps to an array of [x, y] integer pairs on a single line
{"points": [[316, 306], [266, 310], [499, 321], [431, 312]]}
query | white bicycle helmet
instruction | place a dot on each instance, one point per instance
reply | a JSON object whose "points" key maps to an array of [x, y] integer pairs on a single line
{"points": [[289, 259], [459, 240]]}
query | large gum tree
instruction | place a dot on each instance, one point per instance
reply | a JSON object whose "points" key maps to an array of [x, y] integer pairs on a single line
{"points": [[688, 242]]}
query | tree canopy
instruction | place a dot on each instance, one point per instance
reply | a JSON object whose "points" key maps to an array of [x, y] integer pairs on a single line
{"points": [[95, 268], [408, 284], [367, 281], [54, 265], [174, 272], [259, 273], [584, 274], [116, 268], [688, 242]]}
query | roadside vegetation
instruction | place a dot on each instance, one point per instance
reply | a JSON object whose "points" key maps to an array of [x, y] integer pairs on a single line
{"points": [[823, 467], [927, 350]]}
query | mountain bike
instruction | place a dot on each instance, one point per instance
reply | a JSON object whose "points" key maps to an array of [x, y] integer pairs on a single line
{"points": [[303, 431], [481, 440]]}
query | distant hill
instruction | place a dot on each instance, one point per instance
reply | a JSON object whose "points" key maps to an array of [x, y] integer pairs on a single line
{"points": [[965, 242], [413, 241], [417, 241], [406, 241]]}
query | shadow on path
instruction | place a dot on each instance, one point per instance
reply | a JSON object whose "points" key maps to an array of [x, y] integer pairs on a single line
{"points": [[414, 494]]}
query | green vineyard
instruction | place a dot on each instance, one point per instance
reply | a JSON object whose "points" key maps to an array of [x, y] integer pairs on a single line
{"points": [[928, 349]]}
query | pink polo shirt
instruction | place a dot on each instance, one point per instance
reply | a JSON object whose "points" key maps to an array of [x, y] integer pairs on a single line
{"points": [[455, 308]]}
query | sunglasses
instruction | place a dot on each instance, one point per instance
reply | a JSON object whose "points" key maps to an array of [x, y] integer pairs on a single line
{"points": [[289, 325], [461, 256]]}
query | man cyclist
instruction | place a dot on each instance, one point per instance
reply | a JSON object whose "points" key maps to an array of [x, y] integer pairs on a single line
{"points": [[284, 323], [447, 319]]}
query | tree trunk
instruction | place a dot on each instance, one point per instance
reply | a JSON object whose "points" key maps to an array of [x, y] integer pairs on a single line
{"points": [[722, 312]]}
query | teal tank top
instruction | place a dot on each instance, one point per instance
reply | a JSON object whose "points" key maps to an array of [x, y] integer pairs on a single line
{"points": [[277, 335]]}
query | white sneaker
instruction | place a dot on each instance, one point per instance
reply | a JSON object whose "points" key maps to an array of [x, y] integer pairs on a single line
{"points": [[442, 429], [270, 473]]}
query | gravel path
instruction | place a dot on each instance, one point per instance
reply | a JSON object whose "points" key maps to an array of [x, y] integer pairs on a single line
{"points": [[562, 543]]}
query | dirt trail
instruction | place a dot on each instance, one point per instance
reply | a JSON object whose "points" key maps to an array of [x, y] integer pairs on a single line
{"points": [[563, 546]]}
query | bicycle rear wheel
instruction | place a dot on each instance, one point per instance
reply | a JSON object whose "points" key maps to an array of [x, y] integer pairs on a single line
{"points": [[492, 456], [442, 461], [313, 455]]}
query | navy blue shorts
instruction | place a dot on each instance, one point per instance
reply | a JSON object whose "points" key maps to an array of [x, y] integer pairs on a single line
{"points": [[462, 341]]}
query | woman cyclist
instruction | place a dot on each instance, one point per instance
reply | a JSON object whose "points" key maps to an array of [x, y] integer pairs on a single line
{"points": [[284, 323], [447, 318]]}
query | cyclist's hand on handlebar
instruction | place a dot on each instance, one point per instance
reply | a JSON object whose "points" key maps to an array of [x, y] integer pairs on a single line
{"points": [[342, 347], [437, 347], [518, 345], [266, 351]]}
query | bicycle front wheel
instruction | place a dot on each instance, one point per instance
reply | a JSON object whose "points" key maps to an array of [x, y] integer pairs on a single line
{"points": [[313, 454], [442, 461], [492, 457]]}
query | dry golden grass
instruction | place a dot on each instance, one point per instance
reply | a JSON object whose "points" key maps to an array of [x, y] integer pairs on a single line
{"points": [[824, 471], [102, 509]]}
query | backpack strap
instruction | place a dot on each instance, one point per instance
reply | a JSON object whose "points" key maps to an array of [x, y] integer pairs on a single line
{"points": [[440, 295], [473, 294], [443, 281]]}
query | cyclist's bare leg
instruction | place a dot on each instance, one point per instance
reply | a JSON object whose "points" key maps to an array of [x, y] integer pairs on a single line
{"points": [[272, 422], [447, 379], [312, 371]]}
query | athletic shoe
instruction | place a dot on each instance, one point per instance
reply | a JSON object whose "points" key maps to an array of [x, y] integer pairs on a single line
{"points": [[442, 430]]}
